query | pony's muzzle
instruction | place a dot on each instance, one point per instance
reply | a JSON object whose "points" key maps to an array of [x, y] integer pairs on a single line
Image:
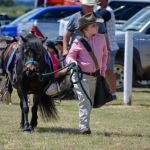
{"points": [[30, 70], [31, 67]]}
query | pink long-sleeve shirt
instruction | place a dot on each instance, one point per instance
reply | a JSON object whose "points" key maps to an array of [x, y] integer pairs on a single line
{"points": [[79, 54]]}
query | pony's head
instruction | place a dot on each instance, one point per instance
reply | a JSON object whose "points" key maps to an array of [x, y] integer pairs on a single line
{"points": [[33, 50]]}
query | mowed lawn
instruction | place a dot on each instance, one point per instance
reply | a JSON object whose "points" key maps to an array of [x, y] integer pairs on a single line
{"points": [[114, 127]]}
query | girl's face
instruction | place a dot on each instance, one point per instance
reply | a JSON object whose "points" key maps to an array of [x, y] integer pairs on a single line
{"points": [[91, 29], [50, 49], [60, 47]]}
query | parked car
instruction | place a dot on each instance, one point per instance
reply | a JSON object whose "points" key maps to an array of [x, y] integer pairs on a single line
{"points": [[48, 14], [5, 19], [11, 29], [140, 25], [125, 9]]}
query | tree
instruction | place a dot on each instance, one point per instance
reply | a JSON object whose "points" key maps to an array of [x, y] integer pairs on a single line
{"points": [[6, 3]]}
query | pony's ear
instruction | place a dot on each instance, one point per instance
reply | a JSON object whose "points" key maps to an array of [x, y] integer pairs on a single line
{"points": [[14, 39], [43, 40], [33, 32], [23, 39]]}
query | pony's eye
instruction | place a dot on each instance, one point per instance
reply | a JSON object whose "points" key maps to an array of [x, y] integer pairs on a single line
{"points": [[26, 50], [38, 56]]}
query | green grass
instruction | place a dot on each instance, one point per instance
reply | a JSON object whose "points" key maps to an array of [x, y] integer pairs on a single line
{"points": [[114, 127]]}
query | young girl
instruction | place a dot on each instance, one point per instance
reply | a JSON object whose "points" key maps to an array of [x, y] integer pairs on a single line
{"points": [[79, 54], [54, 87], [54, 54]]}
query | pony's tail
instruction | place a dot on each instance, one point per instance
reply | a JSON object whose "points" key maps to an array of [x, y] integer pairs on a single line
{"points": [[47, 108]]}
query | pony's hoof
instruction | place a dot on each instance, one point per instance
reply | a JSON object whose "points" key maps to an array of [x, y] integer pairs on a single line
{"points": [[10, 103], [31, 128], [26, 132]]}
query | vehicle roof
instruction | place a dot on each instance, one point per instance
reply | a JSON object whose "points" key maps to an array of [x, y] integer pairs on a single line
{"points": [[40, 10], [138, 21], [58, 8], [140, 1]]}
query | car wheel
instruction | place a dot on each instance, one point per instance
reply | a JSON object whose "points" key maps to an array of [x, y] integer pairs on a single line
{"points": [[119, 72], [142, 84]]}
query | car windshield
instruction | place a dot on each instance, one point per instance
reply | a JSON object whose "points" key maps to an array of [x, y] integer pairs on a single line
{"points": [[16, 21], [137, 21]]}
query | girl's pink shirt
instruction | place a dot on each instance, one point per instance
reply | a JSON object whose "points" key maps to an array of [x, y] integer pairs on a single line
{"points": [[79, 54]]}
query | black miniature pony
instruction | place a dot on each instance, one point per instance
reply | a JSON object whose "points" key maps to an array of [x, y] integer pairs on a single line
{"points": [[24, 62]]}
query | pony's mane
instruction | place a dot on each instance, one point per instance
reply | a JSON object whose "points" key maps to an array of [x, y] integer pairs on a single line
{"points": [[34, 43]]}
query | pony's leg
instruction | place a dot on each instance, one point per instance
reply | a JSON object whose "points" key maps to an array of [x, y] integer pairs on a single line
{"points": [[10, 89], [22, 116], [34, 118], [25, 109]]}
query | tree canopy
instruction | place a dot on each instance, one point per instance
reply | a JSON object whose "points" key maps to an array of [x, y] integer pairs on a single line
{"points": [[6, 3]]}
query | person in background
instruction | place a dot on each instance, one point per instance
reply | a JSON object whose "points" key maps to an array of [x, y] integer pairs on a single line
{"points": [[59, 43], [78, 54], [54, 87], [59, 46], [72, 32], [50, 46], [112, 46], [65, 85]]}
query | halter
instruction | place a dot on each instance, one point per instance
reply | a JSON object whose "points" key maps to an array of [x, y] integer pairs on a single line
{"points": [[31, 62]]}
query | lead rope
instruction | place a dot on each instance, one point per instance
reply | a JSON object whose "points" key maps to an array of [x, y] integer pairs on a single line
{"points": [[75, 69], [70, 66], [79, 73]]}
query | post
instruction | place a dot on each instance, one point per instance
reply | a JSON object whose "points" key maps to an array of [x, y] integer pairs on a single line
{"points": [[128, 69]]}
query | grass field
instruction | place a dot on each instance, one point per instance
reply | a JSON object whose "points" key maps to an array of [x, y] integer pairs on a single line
{"points": [[114, 127]]}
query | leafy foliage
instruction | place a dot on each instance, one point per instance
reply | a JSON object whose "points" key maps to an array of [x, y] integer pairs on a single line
{"points": [[6, 3], [15, 10]]}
